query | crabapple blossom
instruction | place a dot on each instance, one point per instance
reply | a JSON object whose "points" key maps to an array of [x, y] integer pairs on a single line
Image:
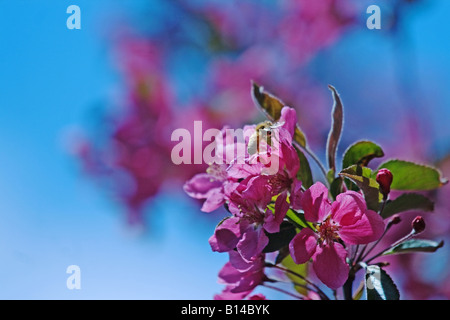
{"points": [[344, 222]]}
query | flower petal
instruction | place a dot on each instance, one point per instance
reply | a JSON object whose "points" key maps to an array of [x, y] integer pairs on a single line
{"points": [[303, 246], [272, 221], [240, 264], [290, 160], [252, 243], [258, 191], [368, 228], [296, 195], [201, 185], [229, 274], [226, 235], [244, 170], [241, 275], [289, 117], [348, 208], [214, 201], [315, 202], [330, 266], [248, 282], [226, 294]]}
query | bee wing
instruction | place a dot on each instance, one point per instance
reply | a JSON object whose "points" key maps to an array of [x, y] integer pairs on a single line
{"points": [[277, 125], [252, 146]]}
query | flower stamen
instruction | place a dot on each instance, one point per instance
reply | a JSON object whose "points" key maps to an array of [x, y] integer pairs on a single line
{"points": [[328, 231]]}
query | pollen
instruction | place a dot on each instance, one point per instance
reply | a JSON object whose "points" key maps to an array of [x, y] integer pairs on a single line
{"points": [[328, 231]]}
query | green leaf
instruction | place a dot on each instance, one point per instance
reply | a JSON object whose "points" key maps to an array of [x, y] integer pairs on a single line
{"points": [[406, 202], [280, 239], [361, 153], [362, 177], [298, 219], [301, 269], [359, 291], [413, 176], [336, 187], [336, 129], [299, 136], [267, 102], [415, 245], [351, 185], [379, 285], [271, 107], [331, 175], [282, 254], [304, 173]]}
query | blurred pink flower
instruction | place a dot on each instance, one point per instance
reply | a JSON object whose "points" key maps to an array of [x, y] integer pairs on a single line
{"points": [[309, 26]]}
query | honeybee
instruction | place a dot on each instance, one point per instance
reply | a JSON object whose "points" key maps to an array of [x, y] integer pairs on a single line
{"points": [[263, 132]]}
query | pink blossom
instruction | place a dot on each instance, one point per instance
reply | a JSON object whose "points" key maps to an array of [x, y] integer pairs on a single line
{"points": [[345, 221], [210, 185], [247, 192], [226, 294], [233, 233], [258, 296], [207, 186], [309, 26], [240, 276]]}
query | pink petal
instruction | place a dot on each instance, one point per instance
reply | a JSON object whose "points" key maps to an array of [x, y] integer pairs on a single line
{"points": [[214, 201], [315, 202], [258, 296], [241, 275], [201, 185], [348, 208], [330, 266], [230, 187], [289, 117], [226, 294], [239, 263], [368, 228], [272, 221], [226, 235], [258, 191], [248, 282], [229, 274], [244, 170], [252, 243], [303, 246], [290, 160], [296, 195]]}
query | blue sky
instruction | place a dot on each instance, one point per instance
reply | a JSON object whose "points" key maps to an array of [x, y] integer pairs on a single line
{"points": [[51, 216]]}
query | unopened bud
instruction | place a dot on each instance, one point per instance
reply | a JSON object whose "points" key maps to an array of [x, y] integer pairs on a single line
{"points": [[418, 224], [395, 219], [384, 179]]}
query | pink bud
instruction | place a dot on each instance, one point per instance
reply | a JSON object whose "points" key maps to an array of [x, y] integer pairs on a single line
{"points": [[384, 179], [418, 224]]}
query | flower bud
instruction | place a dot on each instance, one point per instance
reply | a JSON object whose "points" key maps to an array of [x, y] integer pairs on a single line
{"points": [[418, 224], [384, 179], [395, 219]]}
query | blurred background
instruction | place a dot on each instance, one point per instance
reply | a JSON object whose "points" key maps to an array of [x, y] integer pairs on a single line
{"points": [[86, 117]]}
